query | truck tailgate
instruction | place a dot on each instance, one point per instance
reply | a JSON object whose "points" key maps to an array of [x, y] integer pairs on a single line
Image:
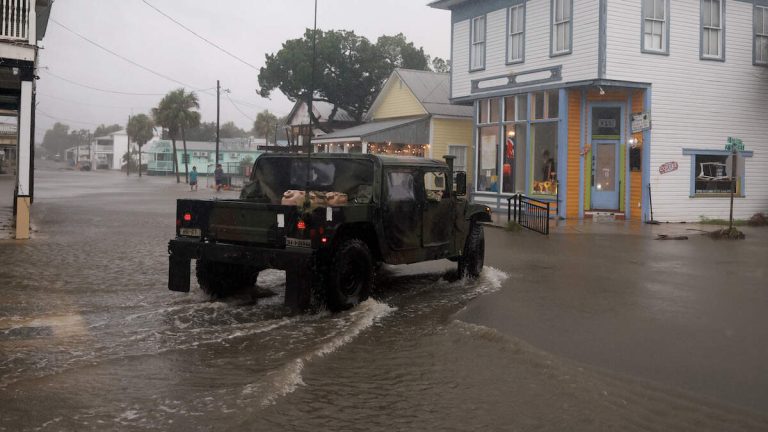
{"points": [[238, 221]]}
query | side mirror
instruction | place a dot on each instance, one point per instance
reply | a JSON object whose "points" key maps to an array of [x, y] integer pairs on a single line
{"points": [[461, 183]]}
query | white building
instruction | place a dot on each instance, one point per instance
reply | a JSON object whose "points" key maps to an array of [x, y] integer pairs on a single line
{"points": [[592, 104], [22, 24]]}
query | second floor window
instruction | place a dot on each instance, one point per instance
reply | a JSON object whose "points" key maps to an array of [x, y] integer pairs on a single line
{"points": [[516, 37], [477, 50], [655, 25], [761, 35], [561, 26], [712, 29]]}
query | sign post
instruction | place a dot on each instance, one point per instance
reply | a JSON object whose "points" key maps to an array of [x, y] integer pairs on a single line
{"points": [[734, 145]]}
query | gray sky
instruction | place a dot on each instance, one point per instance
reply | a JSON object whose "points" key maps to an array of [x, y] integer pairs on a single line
{"points": [[247, 28]]}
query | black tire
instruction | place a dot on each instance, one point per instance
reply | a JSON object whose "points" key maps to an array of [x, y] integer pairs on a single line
{"points": [[472, 260], [349, 279], [221, 280]]}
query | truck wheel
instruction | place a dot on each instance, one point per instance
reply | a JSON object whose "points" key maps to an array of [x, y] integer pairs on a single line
{"points": [[472, 260], [350, 278], [221, 280]]}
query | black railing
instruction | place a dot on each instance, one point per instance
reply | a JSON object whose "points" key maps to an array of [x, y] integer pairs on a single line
{"points": [[529, 213]]}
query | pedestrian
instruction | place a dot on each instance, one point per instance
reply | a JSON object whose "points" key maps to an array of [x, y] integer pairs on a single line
{"points": [[218, 175], [193, 179]]}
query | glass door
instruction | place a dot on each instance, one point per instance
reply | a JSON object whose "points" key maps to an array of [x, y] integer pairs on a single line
{"points": [[605, 176]]}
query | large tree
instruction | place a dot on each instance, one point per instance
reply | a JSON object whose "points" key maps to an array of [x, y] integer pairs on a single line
{"points": [[140, 128], [349, 73], [265, 124], [205, 131], [57, 139], [104, 130], [230, 130], [176, 113]]}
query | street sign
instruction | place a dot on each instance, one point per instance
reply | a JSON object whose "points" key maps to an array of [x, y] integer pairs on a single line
{"points": [[734, 143], [641, 121]]}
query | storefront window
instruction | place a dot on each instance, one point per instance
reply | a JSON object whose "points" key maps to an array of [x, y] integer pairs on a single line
{"points": [[494, 110], [488, 145], [545, 105], [712, 176], [515, 108], [513, 158], [544, 157]]}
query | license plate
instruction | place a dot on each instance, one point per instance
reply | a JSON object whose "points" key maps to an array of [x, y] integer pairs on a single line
{"points": [[298, 242], [190, 232]]}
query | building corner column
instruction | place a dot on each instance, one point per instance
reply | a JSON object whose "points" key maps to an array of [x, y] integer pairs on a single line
{"points": [[24, 160]]}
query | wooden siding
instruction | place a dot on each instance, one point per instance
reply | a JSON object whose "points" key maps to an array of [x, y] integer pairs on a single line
{"points": [[696, 104], [447, 132], [580, 65], [398, 101], [574, 157], [634, 212]]}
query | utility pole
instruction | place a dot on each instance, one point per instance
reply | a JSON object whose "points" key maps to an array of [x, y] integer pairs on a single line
{"points": [[218, 103], [128, 159], [277, 125]]}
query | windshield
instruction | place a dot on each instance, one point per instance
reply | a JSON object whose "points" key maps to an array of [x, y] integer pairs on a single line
{"points": [[273, 177]]}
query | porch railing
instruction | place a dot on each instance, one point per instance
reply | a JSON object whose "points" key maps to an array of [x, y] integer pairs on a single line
{"points": [[15, 19], [529, 213]]}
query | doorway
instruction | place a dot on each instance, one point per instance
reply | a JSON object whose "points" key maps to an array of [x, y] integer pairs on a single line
{"points": [[606, 137]]}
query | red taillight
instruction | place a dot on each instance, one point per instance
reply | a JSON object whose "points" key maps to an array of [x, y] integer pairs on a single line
{"points": [[301, 225], [187, 217], [324, 240]]}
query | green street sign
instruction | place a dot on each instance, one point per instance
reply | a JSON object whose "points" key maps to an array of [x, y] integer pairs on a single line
{"points": [[734, 144]]}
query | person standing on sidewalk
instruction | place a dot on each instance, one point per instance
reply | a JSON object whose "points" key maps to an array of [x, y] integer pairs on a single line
{"points": [[218, 176], [193, 179]]}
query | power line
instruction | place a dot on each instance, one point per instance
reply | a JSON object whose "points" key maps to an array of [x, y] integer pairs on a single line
{"points": [[238, 109], [199, 36], [44, 96], [37, 111], [119, 56], [99, 89]]}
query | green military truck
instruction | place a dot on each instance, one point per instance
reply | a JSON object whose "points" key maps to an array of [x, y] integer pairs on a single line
{"points": [[328, 220]]}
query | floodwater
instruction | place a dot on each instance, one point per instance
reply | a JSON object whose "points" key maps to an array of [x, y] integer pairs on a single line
{"points": [[90, 339]]}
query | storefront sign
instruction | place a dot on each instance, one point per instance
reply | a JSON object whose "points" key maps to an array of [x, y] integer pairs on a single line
{"points": [[668, 167], [641, 122], [734, 143]]}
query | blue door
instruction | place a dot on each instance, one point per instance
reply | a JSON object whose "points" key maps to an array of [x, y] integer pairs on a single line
{"points": [[605, 175]]}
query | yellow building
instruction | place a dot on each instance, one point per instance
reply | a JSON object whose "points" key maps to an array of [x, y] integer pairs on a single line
{"points": [[411, 116]]}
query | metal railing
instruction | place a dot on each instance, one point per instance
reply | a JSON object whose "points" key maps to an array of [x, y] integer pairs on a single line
{"points": [[15, 19], [529, 213]]}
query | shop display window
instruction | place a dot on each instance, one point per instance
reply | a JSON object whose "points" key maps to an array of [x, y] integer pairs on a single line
{"points": [[546, 105], [712, 176], [513, 158], [544, 158], [488, 157]]}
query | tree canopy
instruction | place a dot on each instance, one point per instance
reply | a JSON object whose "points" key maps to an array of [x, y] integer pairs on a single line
{"points": [[104, 130], [264, 126], [59, 138], [350, 70], [140, 129]]}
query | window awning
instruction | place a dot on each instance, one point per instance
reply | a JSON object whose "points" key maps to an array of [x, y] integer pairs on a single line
{"points": [[405, 131]]}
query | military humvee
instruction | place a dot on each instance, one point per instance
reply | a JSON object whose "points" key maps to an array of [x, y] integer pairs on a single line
{"points": [[328, 220]]}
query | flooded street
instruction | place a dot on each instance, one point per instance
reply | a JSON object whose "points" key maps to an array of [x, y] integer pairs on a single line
{"points": [[91, 339]]}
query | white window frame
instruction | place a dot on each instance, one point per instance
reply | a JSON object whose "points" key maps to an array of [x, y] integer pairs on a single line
{"points": [[706, 29], [652, 17], [477, 43], [760, 34], [516, 33], [460, 151], [561, 20]]}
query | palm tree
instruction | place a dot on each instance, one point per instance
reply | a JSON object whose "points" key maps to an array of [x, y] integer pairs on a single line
{"points": [[175, 113], [140, 129]]}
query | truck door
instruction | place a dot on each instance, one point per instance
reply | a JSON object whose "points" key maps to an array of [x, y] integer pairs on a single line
{"points": [[437, 213], [401, 209]]}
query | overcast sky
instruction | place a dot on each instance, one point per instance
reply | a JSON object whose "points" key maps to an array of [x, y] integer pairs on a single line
{"points": [[247, 28]]}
